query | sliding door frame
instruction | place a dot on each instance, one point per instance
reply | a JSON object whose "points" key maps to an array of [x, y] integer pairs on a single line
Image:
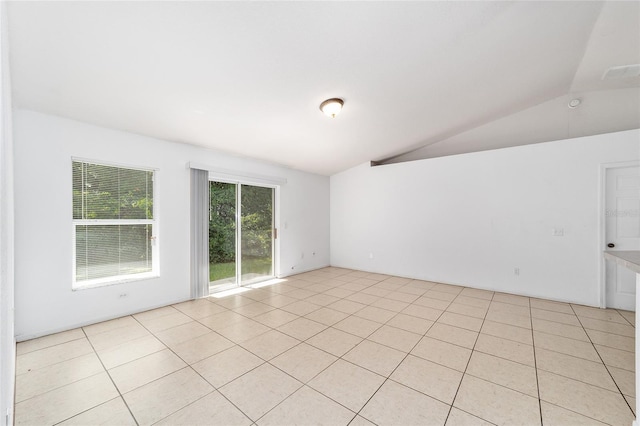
{"points": [[275, 247]]}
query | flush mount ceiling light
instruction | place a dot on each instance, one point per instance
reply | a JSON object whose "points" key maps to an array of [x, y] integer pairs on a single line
{"points": [[574, 103], [332, 107]]}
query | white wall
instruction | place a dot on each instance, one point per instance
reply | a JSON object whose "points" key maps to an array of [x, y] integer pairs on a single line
{"points": [[44, 146], [7, 339], [471, 219]]}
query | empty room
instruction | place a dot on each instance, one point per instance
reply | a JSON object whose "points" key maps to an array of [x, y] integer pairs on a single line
{"points": [[319, 213]]}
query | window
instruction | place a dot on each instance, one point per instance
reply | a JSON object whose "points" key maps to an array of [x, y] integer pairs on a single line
{"points": [[113, 224]]}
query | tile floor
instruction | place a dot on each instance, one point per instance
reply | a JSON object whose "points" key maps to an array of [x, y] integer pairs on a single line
{"points": [[338, 347]]}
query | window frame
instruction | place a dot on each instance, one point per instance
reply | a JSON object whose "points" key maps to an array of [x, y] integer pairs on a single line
{"points": [[155, 246]]}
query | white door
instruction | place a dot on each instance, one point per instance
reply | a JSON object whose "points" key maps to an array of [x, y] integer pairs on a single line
{"points": [[622, 232]]}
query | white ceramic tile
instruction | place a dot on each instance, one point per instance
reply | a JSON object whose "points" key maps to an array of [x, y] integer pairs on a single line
{"points": [[473, 301], [212, 409], [130, 351], [359, 326], [253, 309], [302, 328], [113, 412], [65, 402], [303, 362], [160, 398], [612, 340], [227, 365], [201, 347], [558, 329], [176, 335], [244, 330], [375, 314], [442, 353], [390, 305], [137, 373], [222, 320], [462, 321], [471, 311], [509, 319], [480, 294], [52, 355], [306, 407], [569, 319], [599, 314], [608, 326], [110, 325], [409, 323], [118, 336], [200, 308], [509, 332], [423, 312], [275, 318], [429, 378], [48, 341], [261, 389], [553, 415], [395, 404], [496, 403], [549, 305], [591, 401], [626, 381], [500, 371], [511, 298], [326, 316], [375, 357], [458, 417], [503, 348], [39, 381], [270, 344], [456, 335], [334, 341], [566, 346], [348, 384], [301, 307], [396, 338], [580, 369]]}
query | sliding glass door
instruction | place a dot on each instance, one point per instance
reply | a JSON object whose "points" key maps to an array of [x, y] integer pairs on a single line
{"points": [[240, 235]]}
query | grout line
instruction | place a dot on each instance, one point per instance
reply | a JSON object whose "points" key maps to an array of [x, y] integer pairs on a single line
{"points": [[608, 371], [111, 378], [464, 373], [535, 365]]}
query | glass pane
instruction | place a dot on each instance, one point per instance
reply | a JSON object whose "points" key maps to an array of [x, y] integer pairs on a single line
{"points": [[222, 233], [111, 250], [107, 192], [257, 233]]}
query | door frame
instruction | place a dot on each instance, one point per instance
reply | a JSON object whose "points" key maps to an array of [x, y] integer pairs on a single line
{"points": [[224, 178], [602, 222]]}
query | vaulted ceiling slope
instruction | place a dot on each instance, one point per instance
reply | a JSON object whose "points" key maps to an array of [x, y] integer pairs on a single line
{"points": [[419, 79]]}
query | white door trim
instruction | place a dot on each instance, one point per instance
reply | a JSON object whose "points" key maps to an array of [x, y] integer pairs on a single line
{"points": [[602, 222]]}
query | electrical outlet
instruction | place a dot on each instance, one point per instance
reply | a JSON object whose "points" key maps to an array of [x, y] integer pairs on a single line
{"points": [[516, 271], [122, 295], [370, 255], [558, 232]]}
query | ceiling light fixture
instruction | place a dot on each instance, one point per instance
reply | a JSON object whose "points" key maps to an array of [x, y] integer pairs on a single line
{"points": [[574, 103], [332, 107]]}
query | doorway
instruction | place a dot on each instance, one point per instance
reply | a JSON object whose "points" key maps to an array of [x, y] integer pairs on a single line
{"points": [[241, 235], [621, 232]]}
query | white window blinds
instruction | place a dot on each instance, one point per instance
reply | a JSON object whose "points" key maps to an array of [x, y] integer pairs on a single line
{"points": [[113, 223]]}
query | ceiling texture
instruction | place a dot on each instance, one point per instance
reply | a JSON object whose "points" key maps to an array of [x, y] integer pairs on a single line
{"points": [[419, 79]]}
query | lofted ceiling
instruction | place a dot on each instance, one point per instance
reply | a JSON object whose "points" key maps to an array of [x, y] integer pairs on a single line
{"points": [[419, 79]]}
